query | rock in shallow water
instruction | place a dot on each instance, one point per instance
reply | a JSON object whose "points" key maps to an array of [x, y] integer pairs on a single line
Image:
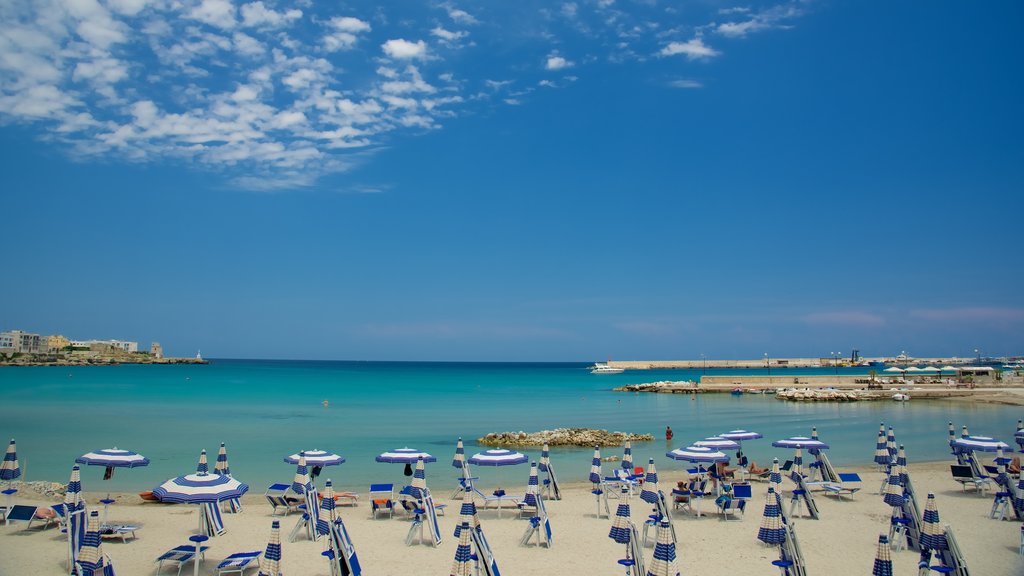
{"points": [[563, 437]]}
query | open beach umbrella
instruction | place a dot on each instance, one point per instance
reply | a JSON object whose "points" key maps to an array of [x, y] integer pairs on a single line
{"points": [[627, 457], [498, 457], [459, 461], [740, 435], [10, 471], [203, 489], [771, 530], [552, 482], [881, 452], [270, 565], [91, 559], [697, 454], [933, 537], [595, 467], [800, 442], [316, 459], [113, 458], [664, 562], [979, 444], [407, 456], [883, 558], [463, 555], [718, 443], [74, 510]]}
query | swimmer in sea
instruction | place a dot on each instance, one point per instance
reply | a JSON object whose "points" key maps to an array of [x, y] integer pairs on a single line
{"points": [[326, 403]]}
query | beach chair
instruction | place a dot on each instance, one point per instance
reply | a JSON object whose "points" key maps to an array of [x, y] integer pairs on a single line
{"points": [[382, 499], [966, 477], [122, 531], [48, 515], [22, 513], [277, 496], [238, 562], [849, 484], [180, 555], [742, 491]]}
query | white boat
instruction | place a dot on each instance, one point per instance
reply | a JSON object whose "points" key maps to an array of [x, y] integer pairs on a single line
{"points": [[900, 397], [600, 368]]}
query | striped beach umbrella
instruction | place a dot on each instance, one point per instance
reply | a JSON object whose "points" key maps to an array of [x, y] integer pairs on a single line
{"points": [[933, 537], [270, 565], [798, 460], [301, 478], [545, 458], [627, 456], [595, 466], [10, 470], [1018, 436], [498, 457], [814, 437], [467, 513], [718, 443], [327, 505], [697, 454], [890, 444], [620, 531], [901, 465], [664, 562], [419, 479], [740, 435], [649, 489], [532, 487], [893, 495], [771, 530], [113, 458], [90, 558], [404, 456], [883, 558], [200, 488], [551, 485], [881, 452], [74, 509], [979, 444], [462, 566], [800, 442], [203, 467], [459, 461], [222, 468], [316, 460], [775, 477]]}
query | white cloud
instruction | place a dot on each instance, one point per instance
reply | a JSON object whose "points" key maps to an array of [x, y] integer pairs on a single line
{"points": [[401, 49], [216, 13], [461, 16], [344, 32], [767, 19], [349, 24], [257, 15], [569, 9], [685, 83], [555, 62], [448, 35], [694, 49], [247, 45]]}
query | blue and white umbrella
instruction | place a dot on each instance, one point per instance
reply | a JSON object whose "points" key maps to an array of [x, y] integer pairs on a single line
{"points": [[532, 487], [551, 484], [621, 531], [91, 559], [800, 442], [595, 467], [664, 562], [303, 485], [1018, 436], [798, 460], [270, 565], [199, 488], [316, 460], [771, 530], [419, 479], [113, 458], [901, 465], [627, 457], [883, 558], [222, 468], [740, 435], [327, 506], [933, 537], [649, 489], [462, 566], [890, 444], [893, 489], [459, 461], [979, 444], [10, 471], [882, 457], [814, 436], [775, 477], [697, 454], [404, 456], [74, 509], [498, 457], [718, 443]]}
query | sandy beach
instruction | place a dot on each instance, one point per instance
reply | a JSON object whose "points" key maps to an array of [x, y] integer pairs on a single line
{"points": [[841, 542]]}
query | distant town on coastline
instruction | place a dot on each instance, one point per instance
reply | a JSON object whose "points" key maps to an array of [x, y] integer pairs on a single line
{"points": [[18, 347]]}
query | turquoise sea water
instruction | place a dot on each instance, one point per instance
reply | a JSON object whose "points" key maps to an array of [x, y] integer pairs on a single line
{"points": [[265, 410]]}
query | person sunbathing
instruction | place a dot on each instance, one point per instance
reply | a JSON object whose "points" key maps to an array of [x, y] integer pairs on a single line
{"points": [[754, 470], [1014, 466]]}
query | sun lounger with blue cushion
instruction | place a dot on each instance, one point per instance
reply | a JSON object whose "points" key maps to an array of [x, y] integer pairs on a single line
{"points": [[277, 496], [180, 556], [22, 513], [238, 562], [848, 485]]}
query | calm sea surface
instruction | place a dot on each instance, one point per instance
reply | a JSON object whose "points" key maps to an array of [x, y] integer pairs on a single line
{"points": [[265, 410]]}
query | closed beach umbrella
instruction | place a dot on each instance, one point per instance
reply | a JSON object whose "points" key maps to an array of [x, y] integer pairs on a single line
{"points": [[463, 555], [203, 467], [800, 442], [771, 530], [74, 509], [775, 476], [901, 465], [1019, 438], [798, 460], [933, 537], [467, 513], [303, 485], [497, 457], [532, 487], [595, 466], [222, 468], [459, 461], [697, 454], [890, 444], [883, 558], [91, 558], [620, 531], [10, 470], [270, 565], [627, 456], [316, 459], [419, 479], [113, 458], [552, 482], [649, 489], [718, 443], [881, 452], [327, 506], [893, 495], [664, 563]]}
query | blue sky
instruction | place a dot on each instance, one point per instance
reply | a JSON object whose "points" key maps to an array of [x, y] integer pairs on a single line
{"points": [[515, 181]]}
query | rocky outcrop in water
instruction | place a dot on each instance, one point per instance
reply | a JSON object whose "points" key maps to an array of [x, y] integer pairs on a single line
{"points": [[563, 437], [824, 395]]}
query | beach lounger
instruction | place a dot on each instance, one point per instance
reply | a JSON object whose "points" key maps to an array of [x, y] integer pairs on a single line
{"points": [[180, 555], [277, 496], [48, 515], [382, 499], [728, 508], [849, 484], [22, 513], [966, 477], [121, 531], [238, 562]]}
